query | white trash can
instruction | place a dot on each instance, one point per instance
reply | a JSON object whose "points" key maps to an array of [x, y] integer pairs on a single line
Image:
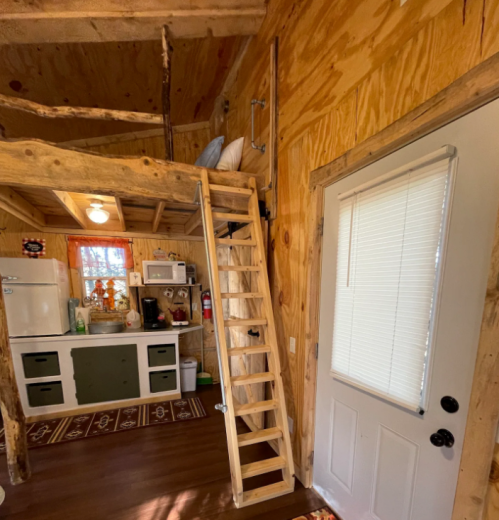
{"points": [[188, 370]]}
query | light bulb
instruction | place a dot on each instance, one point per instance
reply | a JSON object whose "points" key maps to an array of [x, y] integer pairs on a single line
{"points": [[96, 213]]}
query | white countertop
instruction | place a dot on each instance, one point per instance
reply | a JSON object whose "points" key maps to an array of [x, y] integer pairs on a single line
{"points": [[127, 333]]}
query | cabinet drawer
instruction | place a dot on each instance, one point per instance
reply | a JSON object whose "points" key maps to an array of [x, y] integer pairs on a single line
{"points": [[161, 355], [163, 381], [45, 394], [41, 364]]}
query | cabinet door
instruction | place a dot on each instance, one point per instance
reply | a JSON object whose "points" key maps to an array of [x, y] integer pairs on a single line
{"points": [[106, 373]]}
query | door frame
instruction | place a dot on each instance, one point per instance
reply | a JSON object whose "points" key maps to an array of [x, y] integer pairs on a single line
{"points": [[471, 91]]}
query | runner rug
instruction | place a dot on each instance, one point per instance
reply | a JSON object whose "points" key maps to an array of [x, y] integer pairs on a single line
{"points": [[88, 425], [321, 514]]}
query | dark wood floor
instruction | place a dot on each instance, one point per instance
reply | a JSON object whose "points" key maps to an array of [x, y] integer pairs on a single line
{"points": [[169, 472]]}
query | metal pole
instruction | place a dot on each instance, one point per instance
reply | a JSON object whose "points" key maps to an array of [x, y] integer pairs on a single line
{"points": [[222, 407]]}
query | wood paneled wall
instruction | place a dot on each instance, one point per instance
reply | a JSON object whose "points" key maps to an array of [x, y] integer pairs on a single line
{"points": [[347, 69]]}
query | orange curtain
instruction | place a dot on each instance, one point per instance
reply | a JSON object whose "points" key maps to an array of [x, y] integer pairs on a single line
{"points": [[75, 243]]}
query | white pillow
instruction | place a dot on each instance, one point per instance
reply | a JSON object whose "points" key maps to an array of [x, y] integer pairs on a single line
{"points": [[231, 156]]}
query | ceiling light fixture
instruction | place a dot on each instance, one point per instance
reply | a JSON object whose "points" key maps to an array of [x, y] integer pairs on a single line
{"points": [[96, 213]]}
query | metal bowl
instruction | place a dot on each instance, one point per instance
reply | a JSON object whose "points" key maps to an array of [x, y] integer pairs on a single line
{"points": [[105, 327]]}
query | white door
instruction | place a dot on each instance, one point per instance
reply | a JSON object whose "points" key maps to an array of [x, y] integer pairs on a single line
{"points": [[405, 323]]}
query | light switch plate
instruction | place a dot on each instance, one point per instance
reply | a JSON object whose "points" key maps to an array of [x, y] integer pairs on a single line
{"points": [[290, 424], [402, 2], [194, 307], [292, 345]]}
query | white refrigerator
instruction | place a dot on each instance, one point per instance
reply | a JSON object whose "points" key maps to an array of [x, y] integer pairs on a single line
{"points": [[36, 294]]}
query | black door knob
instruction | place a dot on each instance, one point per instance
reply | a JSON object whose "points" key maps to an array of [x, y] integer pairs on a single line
{"points": [[449, 404], [442, 438]]}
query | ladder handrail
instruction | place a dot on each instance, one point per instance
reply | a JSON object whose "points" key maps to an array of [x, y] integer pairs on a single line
{"points": [[223, 405]]}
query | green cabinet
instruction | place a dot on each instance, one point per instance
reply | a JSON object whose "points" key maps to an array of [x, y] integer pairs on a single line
{"points": [[107, 373], [41, 364], [161, 355], [45, 394], [163, 381]]}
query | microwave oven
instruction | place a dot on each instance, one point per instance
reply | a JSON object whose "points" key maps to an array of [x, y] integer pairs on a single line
{"points": [[164, 272]]}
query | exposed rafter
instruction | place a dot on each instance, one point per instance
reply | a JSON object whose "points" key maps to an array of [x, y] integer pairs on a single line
{"points": [[13, 203], [193, 222], [121, 215], [71, 207], [107, 20], [158, 213]]}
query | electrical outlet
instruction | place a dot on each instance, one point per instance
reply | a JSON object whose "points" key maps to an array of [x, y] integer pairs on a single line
{"points": [[292, 345], [194, 307], [290, 424]]}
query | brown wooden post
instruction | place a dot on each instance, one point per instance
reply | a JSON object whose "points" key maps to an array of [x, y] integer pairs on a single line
{"points": [[10, 406], [167, 73]]}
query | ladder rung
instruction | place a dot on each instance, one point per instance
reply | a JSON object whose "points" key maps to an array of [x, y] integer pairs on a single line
{"points": [[251, 408], [266, 493], [232, 217], [257, 349], [262, 466], [241, 295], [244, 192], [236, 322], [246, 439], [250, 379], [234, 242], [239, 268]]}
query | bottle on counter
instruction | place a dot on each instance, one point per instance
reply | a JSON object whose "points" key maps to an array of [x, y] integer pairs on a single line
{"points": [[80, 323]]}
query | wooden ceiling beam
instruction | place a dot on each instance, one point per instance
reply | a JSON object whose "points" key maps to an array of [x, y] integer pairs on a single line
{"points": [[158, 213], [49, 21], [194, 222], [37, 164], [31, 107], [121, 215], [19, 207], [65, 200]]}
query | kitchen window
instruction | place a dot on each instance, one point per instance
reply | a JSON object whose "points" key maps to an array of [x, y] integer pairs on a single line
{"points": [[100, 259]]}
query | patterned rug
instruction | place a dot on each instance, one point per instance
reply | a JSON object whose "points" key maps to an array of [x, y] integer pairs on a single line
{"points": [[88, 425], [321, 514]]}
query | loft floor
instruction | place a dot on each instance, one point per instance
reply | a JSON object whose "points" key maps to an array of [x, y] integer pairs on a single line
{"points": [[171, 472]]}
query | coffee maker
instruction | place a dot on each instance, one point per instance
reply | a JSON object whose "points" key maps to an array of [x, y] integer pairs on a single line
{"points": [[152, 320]]}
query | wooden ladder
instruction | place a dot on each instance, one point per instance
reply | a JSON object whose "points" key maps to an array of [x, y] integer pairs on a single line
{"points": [[232, 409]]}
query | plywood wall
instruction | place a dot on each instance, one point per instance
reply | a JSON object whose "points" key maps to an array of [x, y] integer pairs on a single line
{"points": [[347, 69]]}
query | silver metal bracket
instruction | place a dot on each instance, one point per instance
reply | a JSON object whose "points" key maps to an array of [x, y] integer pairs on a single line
{"points": [[221, 407], [254, 102]]}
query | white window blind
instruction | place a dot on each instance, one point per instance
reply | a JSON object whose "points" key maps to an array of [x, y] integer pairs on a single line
{"points": [[389, 246]]}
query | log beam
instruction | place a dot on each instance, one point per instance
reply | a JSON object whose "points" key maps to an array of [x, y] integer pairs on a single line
{"points": [[31, 107], [194, 222], [11, 408], [65, 200], [65, 21], [37, 164]]}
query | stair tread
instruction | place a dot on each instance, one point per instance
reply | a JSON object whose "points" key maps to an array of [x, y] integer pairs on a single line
{"points": [[249, 379], [232, 217], [268, 434], [235, 296], [262, 466], [266, 493], [243, 268], [244, 192], [257, 349], [235, 242], [251, 408], [243, 322]]}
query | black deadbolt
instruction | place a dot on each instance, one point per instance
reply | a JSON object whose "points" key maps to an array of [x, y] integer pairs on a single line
{"points": [[449, 404], [442, 438]]}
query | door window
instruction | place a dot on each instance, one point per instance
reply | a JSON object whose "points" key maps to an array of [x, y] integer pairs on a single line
{"points": [[390, 245]]}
